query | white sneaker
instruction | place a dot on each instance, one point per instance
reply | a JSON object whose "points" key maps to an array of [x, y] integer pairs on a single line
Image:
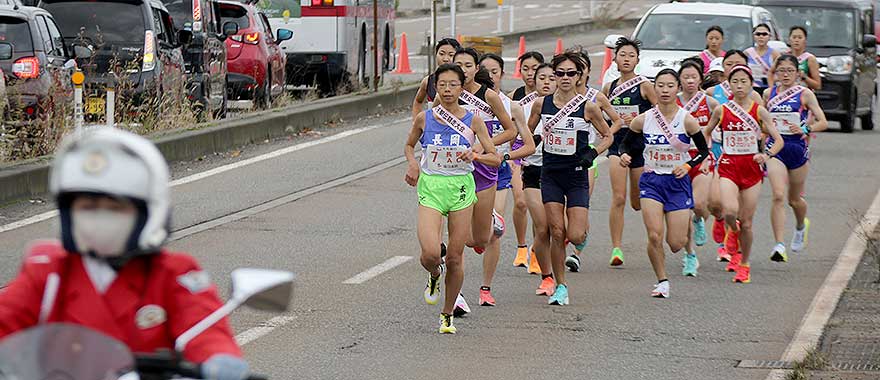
{"points": [[661, 290], [497, 224], [799, 241], [461, 306]]}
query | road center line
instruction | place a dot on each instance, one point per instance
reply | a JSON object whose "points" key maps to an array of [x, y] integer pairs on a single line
{"points": [[220, 169], [387, 265], [266, 327], [825, 302]]}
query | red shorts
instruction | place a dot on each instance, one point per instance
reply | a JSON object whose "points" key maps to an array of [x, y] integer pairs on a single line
{"points": [[694, 172], [741, 169]]}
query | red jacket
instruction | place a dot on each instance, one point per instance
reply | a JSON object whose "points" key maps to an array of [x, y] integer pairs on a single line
{"points": [[152, 301]]}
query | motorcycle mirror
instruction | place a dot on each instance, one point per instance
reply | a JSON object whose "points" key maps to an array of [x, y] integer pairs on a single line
{"points": [[262, 289], [611, 40], [779, 46]]}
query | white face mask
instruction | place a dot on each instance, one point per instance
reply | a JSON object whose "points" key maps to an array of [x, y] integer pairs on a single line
{"points": [[102, 232]]}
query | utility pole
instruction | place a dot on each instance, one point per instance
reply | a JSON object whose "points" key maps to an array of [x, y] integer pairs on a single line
{"points": [[375, 45], [433, 43]]}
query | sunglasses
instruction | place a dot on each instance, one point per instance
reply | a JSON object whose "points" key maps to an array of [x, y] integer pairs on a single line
{"points": [[570, 74], [762, 34]]}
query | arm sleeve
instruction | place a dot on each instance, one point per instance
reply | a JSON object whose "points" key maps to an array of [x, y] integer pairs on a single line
{"points": [[702, 148], [19, 304], [191, 305], [631, 138]]}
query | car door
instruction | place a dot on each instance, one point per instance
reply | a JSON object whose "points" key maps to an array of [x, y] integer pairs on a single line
{"points": [[216, 53], [50, 65], [58, 55], [276, 57]]}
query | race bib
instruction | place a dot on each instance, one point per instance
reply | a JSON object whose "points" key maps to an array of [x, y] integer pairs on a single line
{"points": [[627, 110], [740, 142], [787, 123], [663, 159], [446, 158], [561, 141]]}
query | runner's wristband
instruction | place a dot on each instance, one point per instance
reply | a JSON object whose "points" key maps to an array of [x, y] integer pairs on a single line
{"points": [[806, 128], [629, 139], [589, 156], [702, 149], [538, 139]]}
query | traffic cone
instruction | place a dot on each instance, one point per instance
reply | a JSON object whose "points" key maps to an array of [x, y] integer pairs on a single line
{"points": [[522, 50], [558, 47], [607, 62], [403, 60]]}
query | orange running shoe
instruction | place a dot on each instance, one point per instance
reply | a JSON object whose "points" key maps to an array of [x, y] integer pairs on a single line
{"points": [[735, 259], [547, 287], [718, 231], [731, 241], [743, 274], [522, 257], [723, 256], [534, 267]]}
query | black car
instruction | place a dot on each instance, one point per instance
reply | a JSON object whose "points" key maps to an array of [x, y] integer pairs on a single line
{"points": [[32, 57], [129, 44], [205, 51], [841, 35]]}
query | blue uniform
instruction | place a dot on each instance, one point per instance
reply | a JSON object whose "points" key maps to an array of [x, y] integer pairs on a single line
{"points": [[661, 158], [622, 104], [790, 113]]}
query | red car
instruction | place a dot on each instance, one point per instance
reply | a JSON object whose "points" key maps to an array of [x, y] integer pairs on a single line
{"points": [[254, 57]]}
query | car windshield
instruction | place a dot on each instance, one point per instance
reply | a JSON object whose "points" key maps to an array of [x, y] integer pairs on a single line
{"points": [[688, 31], [107, 22], [181, 11], [278, 8], [236, 14], [15, 31], [827, 27]]}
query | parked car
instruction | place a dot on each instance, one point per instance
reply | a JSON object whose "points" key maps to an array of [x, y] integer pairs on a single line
{"points": [[131, 39], [255, 60], [204, 51], [33, 57], [841, 36], [675, 31]]}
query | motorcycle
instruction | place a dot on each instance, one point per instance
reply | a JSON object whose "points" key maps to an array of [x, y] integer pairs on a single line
{"points": [[62, 351]]}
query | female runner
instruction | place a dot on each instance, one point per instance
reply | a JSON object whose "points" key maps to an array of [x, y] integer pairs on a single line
{"points": [[444, 52], [761, 58]]}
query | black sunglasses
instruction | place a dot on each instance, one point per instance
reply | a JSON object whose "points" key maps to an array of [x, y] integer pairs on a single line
{"points": [[570, 74], [762, 34]]}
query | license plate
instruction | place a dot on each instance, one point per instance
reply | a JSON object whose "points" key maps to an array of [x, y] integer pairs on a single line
{"points": [[95, 106]]}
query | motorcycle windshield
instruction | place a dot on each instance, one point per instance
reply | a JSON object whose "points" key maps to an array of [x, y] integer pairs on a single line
{"points": [[63, 352]]}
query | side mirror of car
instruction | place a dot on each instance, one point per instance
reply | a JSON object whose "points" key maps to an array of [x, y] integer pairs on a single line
{"points": [[82, 52], [284, 35], [5, 50], [869, 41], [184, 37], [229, 29]]}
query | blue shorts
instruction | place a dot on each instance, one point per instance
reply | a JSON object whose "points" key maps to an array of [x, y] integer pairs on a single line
{"points": [[505, 174], [716, 152], [638, 160], [570, 187], [674, 193], [794, 154]]}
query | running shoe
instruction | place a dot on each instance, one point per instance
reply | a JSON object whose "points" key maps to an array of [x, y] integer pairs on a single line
{"points": [[432, 289], [723, 256], [522, 257], [616, 257], [661, 290], [731, 241], [486, 298], [547, 287], [718, 231], [446, 326], [443, 253], [742, 274], [580, 247], [691, 264], [573, 262], [778, 254], [735, 259], [497, 224], [534, 267], [479, 250], [799, 241], [699, 232], [461, 306], [560, 296]]}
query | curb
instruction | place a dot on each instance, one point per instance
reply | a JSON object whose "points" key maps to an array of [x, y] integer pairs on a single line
{"points": [[30, 178]]}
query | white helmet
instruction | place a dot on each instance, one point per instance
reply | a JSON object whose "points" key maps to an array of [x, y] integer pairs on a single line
{"points": [[119, 164]]}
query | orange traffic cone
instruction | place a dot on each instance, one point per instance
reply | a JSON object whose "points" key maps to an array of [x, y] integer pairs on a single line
{"points": [[522, 50], [559, 49], [607, 62], [403, 60]]}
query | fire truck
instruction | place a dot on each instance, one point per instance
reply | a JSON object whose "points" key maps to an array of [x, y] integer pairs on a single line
{"points": [[332, 44]]}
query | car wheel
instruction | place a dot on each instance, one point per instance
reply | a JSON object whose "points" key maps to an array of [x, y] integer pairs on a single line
{"points": [[868, 120], [264, 100], [221, 113]]}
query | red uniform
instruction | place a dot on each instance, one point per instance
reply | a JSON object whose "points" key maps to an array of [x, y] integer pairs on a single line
{"points": [[740, 144], [702, 114], [152, 301]]}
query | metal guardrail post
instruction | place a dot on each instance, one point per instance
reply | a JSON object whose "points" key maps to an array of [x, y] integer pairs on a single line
{"points": [[77, 78]]}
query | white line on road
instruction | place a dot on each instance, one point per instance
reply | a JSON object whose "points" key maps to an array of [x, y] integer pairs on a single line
{"points": [[266, 327], [808, 334], [457, 16], [220, 169], [366, 275]]}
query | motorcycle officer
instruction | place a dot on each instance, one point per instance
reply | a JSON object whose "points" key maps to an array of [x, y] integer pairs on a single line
{"points": [[109, 271]]}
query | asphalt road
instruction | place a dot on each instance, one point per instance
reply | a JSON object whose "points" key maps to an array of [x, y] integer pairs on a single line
{"points": [[381, 328]]}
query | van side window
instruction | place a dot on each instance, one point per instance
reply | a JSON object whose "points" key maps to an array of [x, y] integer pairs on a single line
{"points": [[867, 23], [44, 34], [266, 26], [158, 27], [57, 40]]}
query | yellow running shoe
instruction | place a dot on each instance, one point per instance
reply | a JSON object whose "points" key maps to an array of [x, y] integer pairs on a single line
{"points": [[522, 256], [446, 326], [534, 267]]}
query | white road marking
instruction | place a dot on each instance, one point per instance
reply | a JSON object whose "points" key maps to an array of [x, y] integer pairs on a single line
{"points": [[808, 334], [457, 16], [266, 327], [555, 6], [366, 275], [531, 6], [220, 169], [598, 53]]}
